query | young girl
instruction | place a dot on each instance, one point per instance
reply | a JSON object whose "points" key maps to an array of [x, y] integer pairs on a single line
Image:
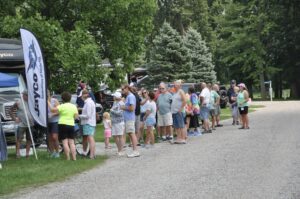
{"points": [[107, 129]]}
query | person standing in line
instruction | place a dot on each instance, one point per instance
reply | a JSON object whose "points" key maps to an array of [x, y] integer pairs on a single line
{"points": [[53, 118], [230, 92], [117, 120], [242, 100], [23, 126], [214, 105], [88, 122], [137, 112], [195, 111], [234, 106], [129, 118], [67, 114], [164, 115], [149, 120], [204, 109], [177, 106], [144, 101], [216, 88], [107, 129]]}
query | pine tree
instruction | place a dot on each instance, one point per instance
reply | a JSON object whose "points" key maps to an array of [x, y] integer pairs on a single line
{"points": [[169, 59], [202, 69]]}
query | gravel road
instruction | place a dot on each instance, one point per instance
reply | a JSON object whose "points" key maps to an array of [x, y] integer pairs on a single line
{"points": [[263, 162]]}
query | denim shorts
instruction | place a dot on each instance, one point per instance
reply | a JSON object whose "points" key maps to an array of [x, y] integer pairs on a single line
{"points": [[53, 127], [178, 120], [150, 121], [88, 129], [204, 113]]}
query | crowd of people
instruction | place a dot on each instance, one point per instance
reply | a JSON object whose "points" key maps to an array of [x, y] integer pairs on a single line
{"points": [[137, 113]]}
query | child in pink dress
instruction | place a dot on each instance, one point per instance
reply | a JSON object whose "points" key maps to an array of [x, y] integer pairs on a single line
{"points": [[107, 129]]}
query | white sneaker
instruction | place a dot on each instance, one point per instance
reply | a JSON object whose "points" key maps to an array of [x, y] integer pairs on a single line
{"points": [[133, 154], [120, 154]]}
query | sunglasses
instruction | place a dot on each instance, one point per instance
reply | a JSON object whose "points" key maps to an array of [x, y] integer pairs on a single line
{"points": [[161, 88]]}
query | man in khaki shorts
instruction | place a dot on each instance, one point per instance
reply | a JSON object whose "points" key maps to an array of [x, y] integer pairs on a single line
{"points": [[164, 115], [129, 118]]}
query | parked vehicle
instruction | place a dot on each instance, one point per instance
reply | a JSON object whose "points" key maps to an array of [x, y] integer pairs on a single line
{"points": [[223, 96], [12, 63]]}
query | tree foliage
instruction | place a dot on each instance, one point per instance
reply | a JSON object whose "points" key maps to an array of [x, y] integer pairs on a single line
{"points": [[170, 59], [202, 66]]}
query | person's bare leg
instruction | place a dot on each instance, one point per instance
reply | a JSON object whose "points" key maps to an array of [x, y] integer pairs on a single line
{"points": [[246, 121], [84, 143], [91, 142], [151, 135], [28, 145], [66, 148], [72, 148], [55, 142], [18, 144], [133, 140]]}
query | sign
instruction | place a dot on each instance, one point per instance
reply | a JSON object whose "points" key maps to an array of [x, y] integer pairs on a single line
{"points": [[35, 76]]}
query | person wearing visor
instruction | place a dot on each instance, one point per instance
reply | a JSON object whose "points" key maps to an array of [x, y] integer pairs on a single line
{"points": [[242, 101]]}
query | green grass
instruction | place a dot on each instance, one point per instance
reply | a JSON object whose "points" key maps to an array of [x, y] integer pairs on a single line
{"points": [[226, 112], [99, 135], [20, 173]]}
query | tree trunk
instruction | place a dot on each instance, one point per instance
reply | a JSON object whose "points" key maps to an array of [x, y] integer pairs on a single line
{"points": [[262, 86], [295, 89]]}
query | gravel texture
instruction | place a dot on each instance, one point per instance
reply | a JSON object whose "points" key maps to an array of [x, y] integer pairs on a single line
{"points": [[263, 162]]}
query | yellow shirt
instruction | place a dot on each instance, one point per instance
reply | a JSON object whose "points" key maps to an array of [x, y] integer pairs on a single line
{"points": [[66, 114]]}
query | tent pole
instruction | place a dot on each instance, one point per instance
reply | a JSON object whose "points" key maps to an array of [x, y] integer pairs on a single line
{"points": [[27, 120]]}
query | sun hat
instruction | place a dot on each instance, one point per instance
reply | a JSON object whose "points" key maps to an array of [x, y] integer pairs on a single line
{"points": [[117, 95]]}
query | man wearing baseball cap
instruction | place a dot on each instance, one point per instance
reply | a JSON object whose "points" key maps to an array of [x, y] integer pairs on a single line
{"points": [[230, 92]]}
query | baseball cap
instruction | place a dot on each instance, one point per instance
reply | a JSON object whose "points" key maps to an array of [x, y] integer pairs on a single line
{"points": [[117, 95], [233, 81]]}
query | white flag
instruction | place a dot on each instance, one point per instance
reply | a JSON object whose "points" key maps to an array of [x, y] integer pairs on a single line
{"points": [[35, 76]]}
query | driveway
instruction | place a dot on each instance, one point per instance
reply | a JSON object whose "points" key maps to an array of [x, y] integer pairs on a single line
{"points": [[263, 162]]}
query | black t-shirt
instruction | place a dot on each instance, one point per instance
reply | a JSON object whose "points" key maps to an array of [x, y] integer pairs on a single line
{"points": [[138, 104], [230, 92]]}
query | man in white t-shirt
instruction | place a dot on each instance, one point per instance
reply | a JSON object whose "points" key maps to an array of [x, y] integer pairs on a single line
{"points": [[204, 110]]}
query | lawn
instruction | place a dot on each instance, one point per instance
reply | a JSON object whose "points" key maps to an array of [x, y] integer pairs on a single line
{"points": [[20, 173], [226, 112]]}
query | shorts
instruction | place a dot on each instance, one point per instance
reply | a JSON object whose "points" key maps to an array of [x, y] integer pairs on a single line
{"points": [[217, 110], [88, 129], [21, 131], [164, 120], [243, 110], [53, 128], [204, 112], [137, 122], [129, 127], [150, 121], [107, 133], [118, 129], [66, 132], [178, 120]]}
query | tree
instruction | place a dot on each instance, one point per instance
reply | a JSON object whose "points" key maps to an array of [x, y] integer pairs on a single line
{"points": [[241, 49], [170, 59], [69, 56], [202, 69]]}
